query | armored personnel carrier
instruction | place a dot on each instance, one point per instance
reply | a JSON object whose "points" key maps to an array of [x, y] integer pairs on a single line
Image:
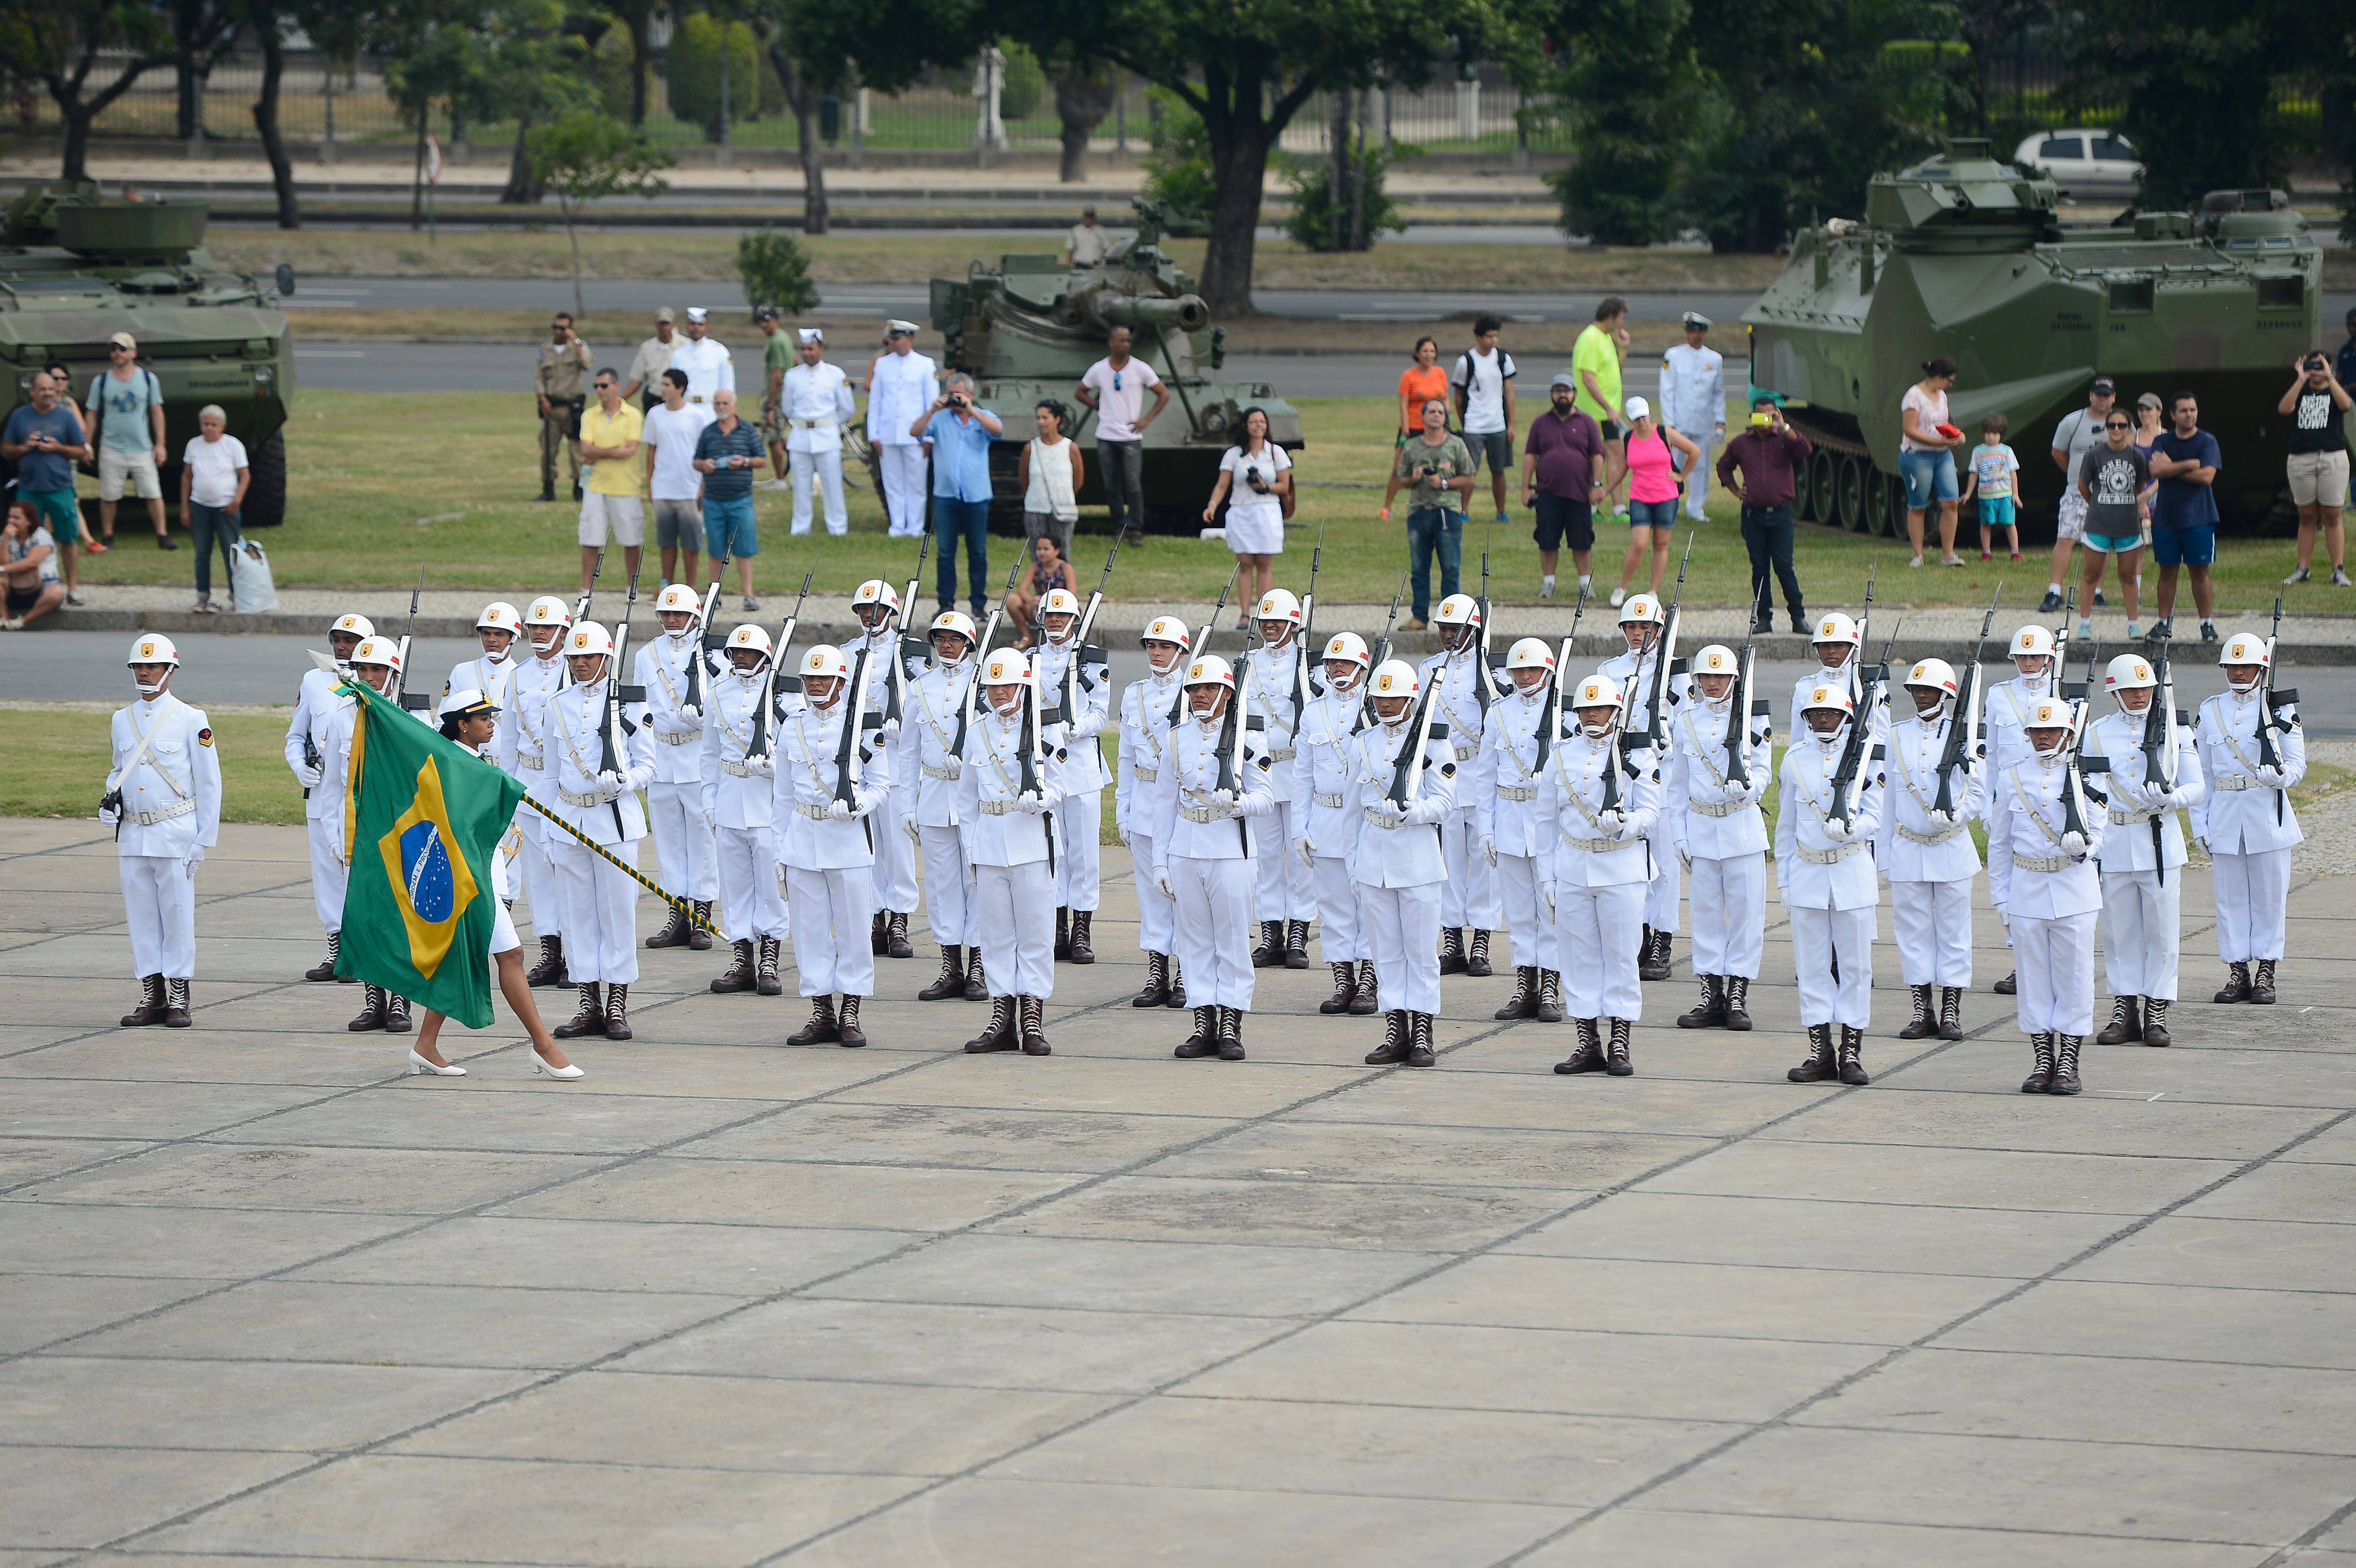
{"points": [[1965, 257], [76, 267], [1030, 327]]}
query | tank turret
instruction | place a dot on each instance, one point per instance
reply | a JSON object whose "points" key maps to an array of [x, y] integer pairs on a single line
{"points": [[1965, 257], [1030, 327]]}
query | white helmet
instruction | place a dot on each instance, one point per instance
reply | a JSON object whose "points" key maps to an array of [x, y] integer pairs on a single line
{"points": [[2242, 647], [875, 591], [1060, 602], [1598, 690], [823, 661], [499, 616], [1007, 667], [547, 610], [1717, 659], [588, 639], [956, 621], [2050, 713], [356, 626], [1397, 677], [1837, 627], [1641, 607], [1278, 604], [2128, 672], [1349, 646], [1529, 653], [1211, 670], [1829, 694], [378, 651], [1167, 629], [2030, 642], [153, 648], [1936, 673], [676, 598], [1458, 609], [749, 636]]}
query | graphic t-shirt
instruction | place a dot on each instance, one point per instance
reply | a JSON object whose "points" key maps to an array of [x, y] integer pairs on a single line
{"points": [[1993, 468], [1449, 460], [2113, 480], [2315, 423], [123, 423], [1483, 378]]}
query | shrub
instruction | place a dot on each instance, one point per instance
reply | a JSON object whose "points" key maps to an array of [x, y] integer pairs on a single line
{"points": [[1322, 222], [776, 270], [1178, 165], [693, 72]]}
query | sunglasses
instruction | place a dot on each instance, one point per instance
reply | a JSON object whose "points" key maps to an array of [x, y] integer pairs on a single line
{"points": [[2116, 424]]}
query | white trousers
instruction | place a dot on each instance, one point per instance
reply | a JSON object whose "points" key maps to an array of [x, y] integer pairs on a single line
{"points": [[1401, 929], [1215, 930], [328, 873], [1157, 917], [1817, 935], [601, 913], [904, 486], [2252, 901], [1933, 923], [949, 886], [1343, 937], [682, 844], [1078, 857], [896, 858], [159, 902], [1469, 896], [1729, 914], [535, 877], [1697, 476], [831, 910], [2141, 931], [750, 906], [1661, 894], [825, 468], [1014, 920], [1286, 890], [1527, 921], [2054, 963], [1596, 931]]}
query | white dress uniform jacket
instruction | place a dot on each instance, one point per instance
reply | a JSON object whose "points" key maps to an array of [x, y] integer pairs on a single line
{"points": [[928, 775], [1286, 889], [1601, 869], [1079, 819], [1469, 897], [1397, 860], [1319, 810], [568, 723], [1634, 674], [1505, 789], [171, 815], [1828, 885], [900, 387], [1720, 833], [816, 405], [675, 797], [1013, 887], [1693, 402], [706, 363], [2054, 897], [1145, 707], [1205, 848], [828, 860], [323, 806], [740, 799], [1910, 847]]}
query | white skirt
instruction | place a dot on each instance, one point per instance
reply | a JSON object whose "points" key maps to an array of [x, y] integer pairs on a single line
{"points": [[1257, 529]]}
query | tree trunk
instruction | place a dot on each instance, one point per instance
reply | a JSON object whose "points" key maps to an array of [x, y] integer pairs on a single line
{"points": [[76, 119], [640, 49], [266, 121], [417, 179], [523, 188], [804, 99], [571, 233], [1084, 96], [1337, 182], [1240, 126]]}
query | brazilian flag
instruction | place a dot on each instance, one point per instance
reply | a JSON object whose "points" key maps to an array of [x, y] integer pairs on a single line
{"points": [[422, 817]]}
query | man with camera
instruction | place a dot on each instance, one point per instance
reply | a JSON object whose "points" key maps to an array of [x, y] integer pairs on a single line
{"points": [[961, 446], [1766, 457], [45, 439], [1440, 471], [2317, 404]]}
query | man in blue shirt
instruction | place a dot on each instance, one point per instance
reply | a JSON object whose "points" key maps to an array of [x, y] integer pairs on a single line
{"points": [[45, 439], [2184, 510], [960, 452], [727, 450]]}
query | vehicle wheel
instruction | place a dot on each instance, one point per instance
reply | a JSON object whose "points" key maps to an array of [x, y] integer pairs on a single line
{"points": [[1896, 487], [1849, 494], [265, 494], [1824, 499], [1876, 503], [1803, 507]]}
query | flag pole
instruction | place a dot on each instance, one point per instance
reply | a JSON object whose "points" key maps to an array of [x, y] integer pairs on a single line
{"points": [[679, 906]]}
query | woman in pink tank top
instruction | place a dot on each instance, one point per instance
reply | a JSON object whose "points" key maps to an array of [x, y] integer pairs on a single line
{"points": [[1654, 455]]}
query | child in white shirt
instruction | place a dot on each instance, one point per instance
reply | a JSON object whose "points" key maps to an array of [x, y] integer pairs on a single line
{"points": [[1994, 473]]}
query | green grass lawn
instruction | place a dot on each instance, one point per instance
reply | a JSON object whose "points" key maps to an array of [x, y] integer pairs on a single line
{"points": [[381, 484]]}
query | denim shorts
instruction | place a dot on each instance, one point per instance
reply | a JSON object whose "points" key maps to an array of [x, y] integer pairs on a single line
{"points": [[728, 526], [1653, 513], [1929, 475], [2195, 546]]}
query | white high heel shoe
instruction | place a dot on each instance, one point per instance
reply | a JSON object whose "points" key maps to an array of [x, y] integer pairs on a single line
{"points": [[419, 1066], [540, 1065]]}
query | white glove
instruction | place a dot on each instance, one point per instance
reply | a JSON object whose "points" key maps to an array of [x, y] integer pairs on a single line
{"points": [[1307, 850], [611, 782], [956, 766], [1120, 833], [781, 877], [1223, 797], [1684, 855], [1389, 809], [915, 834], [308, 776], [1028, 804], [763, 767], [1546, 891], [691, 714], [194, 858], [1162, 883], [891, 728], [2273, 778], [838, 811], [1839, 831], [711, 821], [1612, 822], [1489, 848], [108, 816], [1941, 819], [2074, 846]]}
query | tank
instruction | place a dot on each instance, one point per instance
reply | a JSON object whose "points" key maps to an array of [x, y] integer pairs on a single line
{"points": [[1031, 327], [76, 267], [1965, 257]]}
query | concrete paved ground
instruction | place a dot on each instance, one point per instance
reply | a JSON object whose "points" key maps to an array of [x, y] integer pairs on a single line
{"points": [[727, 1302]]}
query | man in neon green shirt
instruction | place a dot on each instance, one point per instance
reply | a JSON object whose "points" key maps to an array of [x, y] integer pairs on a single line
{"points": [[1595, 361]]}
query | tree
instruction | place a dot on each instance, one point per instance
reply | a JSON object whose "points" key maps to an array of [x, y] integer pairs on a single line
{"points": [[586, 157], [1085, 90], [58, 44], [200, 34], [776, 270], [1631, 91], [636, 17]]}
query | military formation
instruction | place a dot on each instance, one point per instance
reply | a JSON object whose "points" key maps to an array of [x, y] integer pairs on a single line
{"points": [[1404, 814]]}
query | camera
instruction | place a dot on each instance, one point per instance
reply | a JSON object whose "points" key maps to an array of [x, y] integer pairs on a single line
{"points": [[2317, 362], [957, 400], [1251, 478]]}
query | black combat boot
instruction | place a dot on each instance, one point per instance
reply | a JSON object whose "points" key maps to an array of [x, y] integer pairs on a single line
{"points": [[877, 944], [150, 1009], [590, 1019], [977, 985], [1923, 1025], [1950, 1012], [1270, 950], [2065, 1066], [1345, 989], [1550, 996], [2125, 1026], [1710, 1013], [1177, 999], [1589, 1057], [764, 978], [1366, 1003], [1084, 951], [1820, 1064], [1737, 1003], [1451, 949], [1206, 1038], [396, 1014], [1156, 989], [1033, 1010], [371, 1014], [738, 975], [822, 1028], [1524, 1002], [2155, 1021], [1063, 931], [674, 930], [699, 930], [1397, 1037], [2041, 1073], [1852, 1058], [549, 970], [1616, 1060], [2010, 985], [618, 1012], [2237, 985], [1231, 1034], [1654, 963], [895, 936], [326, 969], [1296, 944], [1419, 1040], [950, 983], [175, 1005], [847, 1022], [1476, 956], [2262, 983], [999, 1033]]}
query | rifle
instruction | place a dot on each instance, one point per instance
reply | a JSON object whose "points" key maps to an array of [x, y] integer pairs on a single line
{"points": [[2073, 788], [1864, 624], [1304, 677], [2061, 643], [1028, 745], [1665, 654], [399, 681], [765, 715], [1481, 692], [610, 732], [1203, 640], [581, 606], [1739, 712], [895, 699], [706, 644], [1407, 774], [2160, 721], [1856, 752], [1964, 728], [1551, 722], [2269, 754], [1382, 651], [1068, 699], [981, 656], [847, 756]]}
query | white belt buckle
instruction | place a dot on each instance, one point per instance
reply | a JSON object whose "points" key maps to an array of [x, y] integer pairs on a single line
{"points": [[996, 807], [679, 737]]}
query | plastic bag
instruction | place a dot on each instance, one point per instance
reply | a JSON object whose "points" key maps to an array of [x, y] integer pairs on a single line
{"points": [[252, 590]]}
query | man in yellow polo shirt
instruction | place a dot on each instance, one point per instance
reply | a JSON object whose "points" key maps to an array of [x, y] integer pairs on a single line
{"points": [[612, 475], [1595, 361]]}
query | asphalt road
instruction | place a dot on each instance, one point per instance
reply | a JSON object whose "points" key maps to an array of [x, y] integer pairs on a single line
{"points": [[87, 667]]}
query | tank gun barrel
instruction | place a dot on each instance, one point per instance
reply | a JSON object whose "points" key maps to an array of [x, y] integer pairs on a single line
{"points": [[1187, 312]]}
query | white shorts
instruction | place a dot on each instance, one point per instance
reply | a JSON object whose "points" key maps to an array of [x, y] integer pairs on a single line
{"points": [[2072, 524], [623, 514], [1256, 529], [2319, 478], [139, 467], [503, 932]]}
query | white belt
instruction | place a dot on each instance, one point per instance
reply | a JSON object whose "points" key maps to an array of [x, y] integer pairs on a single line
{"points": [[1206, 812], [1388, 825], [1941, 837], [1716, 808], [1141, 771], [1286, 755], [698, 400], [2042, 862], [1831, 857], [815, 813], [569, 798], [996, 807], [150, 818], [1517, 792], [1599, 846], [533, 760], [814, 424], [1333, 800], [679, 737], [933, 772], [2237, 781], [735, 770], [2130, 818]]}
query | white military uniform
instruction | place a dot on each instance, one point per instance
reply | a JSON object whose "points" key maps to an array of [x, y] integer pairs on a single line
{"points": [[1013, 892], [600, 904], [1397, 860], [1720, 827], [1828, 885], [1321, 809], [829, 863], [706, 363], [2249, 845], [1144, 753], [1634, 675], [2143, 858], [1931, 865], [1079, 815], [900, 387], [1599, 872], [1693, 403], [1796, 722], [682, 834], [323, 809], [521, 751], [896, 849], [933, 787], [1507, 780], [171, 815], [1285, 889], [817, 403], [1469, 897], [491, 678], [738, 799], [2055, 899], [1205, 852]]}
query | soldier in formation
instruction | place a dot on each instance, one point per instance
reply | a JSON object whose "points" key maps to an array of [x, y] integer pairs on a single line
{"points": [[1824, 825], [1286, 899], [828, 779], [1009, 783], [935, 724], [673, 672], [2253, 753], [2142, 856], [1324, 824], [1081, 688], [1635, 671], [1599, 803], [1713, 817], [876, 607], [1147, 711], [739, 804], [1402, 791], [323, 803], [162, 798], [1462, 687], [1925, 849], [1507, 779], [2042, 845]]}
